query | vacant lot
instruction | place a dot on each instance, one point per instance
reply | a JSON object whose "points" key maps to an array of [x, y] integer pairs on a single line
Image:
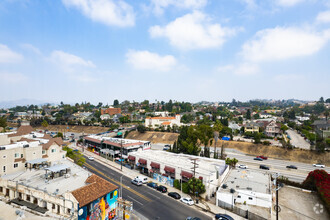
{"points": [[154, 137]]}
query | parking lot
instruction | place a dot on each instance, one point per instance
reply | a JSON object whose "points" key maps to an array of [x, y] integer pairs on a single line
{"points": [[297, 140]]}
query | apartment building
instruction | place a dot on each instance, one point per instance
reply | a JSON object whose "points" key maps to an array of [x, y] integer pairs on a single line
{"points": [[155, 122]]}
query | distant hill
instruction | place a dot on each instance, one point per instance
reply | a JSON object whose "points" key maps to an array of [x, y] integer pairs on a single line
{"points": [[22, 102]]}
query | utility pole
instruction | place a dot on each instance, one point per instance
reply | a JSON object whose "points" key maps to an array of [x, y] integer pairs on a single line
{"points": [[121, 153], [194, 171], [216, 136], [124, 208], [277, 208]]}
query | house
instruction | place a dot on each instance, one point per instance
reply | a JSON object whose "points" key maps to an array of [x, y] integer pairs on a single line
{"points": [[105, 117], [234, 126], [251, 127], [273, 129], [322, 128], [110, 111], [154, 122]]}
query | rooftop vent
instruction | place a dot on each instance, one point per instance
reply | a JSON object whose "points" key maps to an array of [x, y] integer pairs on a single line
{"points": [[25, 145], [249, 188], [224, 186], [232, 190]]}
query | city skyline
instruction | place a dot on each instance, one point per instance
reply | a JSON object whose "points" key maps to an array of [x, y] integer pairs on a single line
{"points": [[98, 51]]}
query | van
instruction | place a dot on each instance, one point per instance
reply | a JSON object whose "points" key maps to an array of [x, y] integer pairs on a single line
{"points": [[143, 179]]}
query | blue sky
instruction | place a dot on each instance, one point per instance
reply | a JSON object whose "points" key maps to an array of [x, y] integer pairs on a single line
{"points": [[188, 50]]}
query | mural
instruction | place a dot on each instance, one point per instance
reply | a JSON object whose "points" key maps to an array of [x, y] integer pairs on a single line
{"points": [[103, 208], [163, 179]]}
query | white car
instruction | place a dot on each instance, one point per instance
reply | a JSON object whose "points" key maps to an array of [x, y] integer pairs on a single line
{"points": [[318, 165], [187, 200], [136, 182], [90, 158], [242, 166]]}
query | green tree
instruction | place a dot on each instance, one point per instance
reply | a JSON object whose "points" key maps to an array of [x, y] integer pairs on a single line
{"points": [[3, 123], [141, 128], [284, 127], [115, 103], [196, 186], [59, 134], [44, 124], [248, 114]]}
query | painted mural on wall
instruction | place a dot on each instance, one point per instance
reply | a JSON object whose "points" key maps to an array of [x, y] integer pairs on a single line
{"points": [[103, 208], [163, 179]]}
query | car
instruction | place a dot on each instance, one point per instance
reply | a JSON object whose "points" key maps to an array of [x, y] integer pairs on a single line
{"points": [[187, 200], [72, 141], [319, 165], [264, 167], [90, 158], [193, 218], [258, 158], [291, 167], [174, 195], [143, 179], [223, 217], [152, 185], [162, 189], [242, 166], [137, 182], [166, 147], [262, 157]]}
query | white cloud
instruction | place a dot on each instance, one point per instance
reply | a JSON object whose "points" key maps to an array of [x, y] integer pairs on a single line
{"points": [[288, 77], [288, 3], [244, 69], [9, 56], [109, 12], [69, 61], [193, 31], [31, 48], [160, 5], [146, 60], [323, 17], [283, 43], [7, 77]]}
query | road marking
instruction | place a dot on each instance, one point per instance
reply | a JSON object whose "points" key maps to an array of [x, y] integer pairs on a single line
{"points": [[117, 182], [135, 200], [153, 195]]}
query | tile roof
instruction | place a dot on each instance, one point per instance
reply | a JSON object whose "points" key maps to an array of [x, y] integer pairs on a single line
{"points": [[96, 188], [166, 123], [56, 140], [167, 118], [22, 130]]}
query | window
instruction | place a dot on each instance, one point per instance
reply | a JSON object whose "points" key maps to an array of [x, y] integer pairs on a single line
{"points": [[250, 198], [53, 150], [43, 151], [15, 165], [68, 211], [1, 189], [28, 198], [16, 155], [238, 196], [111, 195], [21, 155], [4, 156], [4, 168], [53, 206]]}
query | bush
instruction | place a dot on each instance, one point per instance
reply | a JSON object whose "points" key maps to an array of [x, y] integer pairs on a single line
{"points": [[266, 143]]}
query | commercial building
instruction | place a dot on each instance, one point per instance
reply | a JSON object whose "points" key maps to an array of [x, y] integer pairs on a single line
{"points": [[166, 166], [62, 189], [114, 147], [154, 122], [110, 111], [244, 186]]}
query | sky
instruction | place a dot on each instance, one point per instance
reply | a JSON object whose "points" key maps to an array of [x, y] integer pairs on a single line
{"points": [[187, 50]]}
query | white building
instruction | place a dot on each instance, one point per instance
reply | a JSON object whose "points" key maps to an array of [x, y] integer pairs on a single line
{"points": [[245, 186], [179, 166], [162, 114], [155, 122]]}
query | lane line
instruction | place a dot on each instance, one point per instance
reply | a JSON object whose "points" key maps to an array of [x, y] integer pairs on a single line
{"points": [[135, 200], [153, 195]]}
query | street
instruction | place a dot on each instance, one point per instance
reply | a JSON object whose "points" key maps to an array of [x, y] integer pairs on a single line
{"points": [[147, 201]]}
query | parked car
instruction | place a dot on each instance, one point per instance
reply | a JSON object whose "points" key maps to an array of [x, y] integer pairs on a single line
{"points": [[152, 185], [90, 158], [223, 217], [262, 157], [137, 182], [193, 218], [143, 179], [242, 166], [264, 167], [174, 195], [257, 158], [187, 200], [162, 189], [166, 147], [291, 167], [319, 165]]}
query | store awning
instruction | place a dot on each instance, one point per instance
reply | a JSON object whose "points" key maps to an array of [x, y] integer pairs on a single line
{"points": [[169, 169], [186, 174], [36, 161], [155, 165], [143, 161], [131, 158], [58, 168]]}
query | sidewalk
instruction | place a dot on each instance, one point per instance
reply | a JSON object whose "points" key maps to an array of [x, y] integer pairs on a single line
{"points": [[203, 206]]}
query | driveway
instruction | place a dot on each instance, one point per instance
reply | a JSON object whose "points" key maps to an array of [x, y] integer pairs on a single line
{"points": [[297, 140]]}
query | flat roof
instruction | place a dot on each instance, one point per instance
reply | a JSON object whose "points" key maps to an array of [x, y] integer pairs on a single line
{"points": [[58, 167], [36, 161], [245, 179]]}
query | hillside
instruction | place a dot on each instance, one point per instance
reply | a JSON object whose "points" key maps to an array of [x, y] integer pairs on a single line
{"points": [[154, 137]]}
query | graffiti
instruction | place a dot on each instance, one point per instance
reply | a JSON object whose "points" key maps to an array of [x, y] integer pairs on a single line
{"points": [[163, 179]]}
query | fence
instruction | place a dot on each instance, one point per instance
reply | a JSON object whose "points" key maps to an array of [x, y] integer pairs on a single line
{"points": [[241, 212]]}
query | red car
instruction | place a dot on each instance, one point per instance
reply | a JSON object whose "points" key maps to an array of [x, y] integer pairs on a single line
{"points": [[262, 157]]}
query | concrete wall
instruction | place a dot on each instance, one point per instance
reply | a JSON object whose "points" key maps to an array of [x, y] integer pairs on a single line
{"points": [[55, 153], [4, 140]]}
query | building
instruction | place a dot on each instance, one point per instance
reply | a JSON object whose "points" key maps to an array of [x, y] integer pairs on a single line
{"points": [[244, 186], [273, 129], [165, 167], [322, 128], [62, 189], [114, 147], [251, 127], [154, 122], [162, 114], [105, 117], [110, 111]]}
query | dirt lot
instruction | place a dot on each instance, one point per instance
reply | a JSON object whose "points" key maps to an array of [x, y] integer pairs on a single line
{"points": [[298, 155], [308, 207], [154, 137]]}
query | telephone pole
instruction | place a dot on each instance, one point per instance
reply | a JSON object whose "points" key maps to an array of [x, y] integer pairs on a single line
{"points": [[194, 171]]}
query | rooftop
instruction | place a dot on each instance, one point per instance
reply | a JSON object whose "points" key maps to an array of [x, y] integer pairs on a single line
{"points": [[242, 179]]}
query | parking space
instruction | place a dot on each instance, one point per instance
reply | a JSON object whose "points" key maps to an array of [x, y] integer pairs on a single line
{"points": [[297, 140]]}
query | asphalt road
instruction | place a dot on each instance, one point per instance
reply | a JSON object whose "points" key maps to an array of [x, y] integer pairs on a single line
{"points": [[297, 140], [147, 201]]}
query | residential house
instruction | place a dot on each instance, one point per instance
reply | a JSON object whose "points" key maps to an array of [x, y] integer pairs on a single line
{"points": [[110, 111], [273, 129], [251, 127], [322, 128], [154, 122], [105, 117]]}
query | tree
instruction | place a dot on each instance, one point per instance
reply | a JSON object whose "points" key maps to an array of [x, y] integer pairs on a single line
{"points": [[284, 127], [292, 114], [3, 123], [115, 103], [44, 124], [248, 114], [321, 100], [141, 128], [197, 185], [231, 162], [59, 134]]}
